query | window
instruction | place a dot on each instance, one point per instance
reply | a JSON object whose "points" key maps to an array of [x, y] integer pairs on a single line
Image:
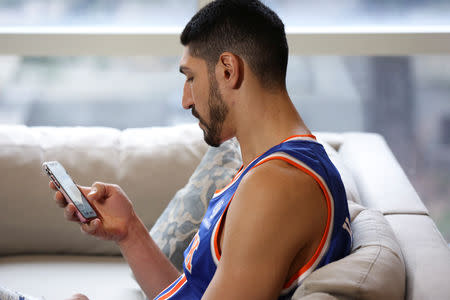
{"points": [[117, 92], [117, 13], [404, 98], [362, 12]]}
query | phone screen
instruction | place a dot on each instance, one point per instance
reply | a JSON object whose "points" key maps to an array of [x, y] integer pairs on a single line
{"points": [[71, 189]]}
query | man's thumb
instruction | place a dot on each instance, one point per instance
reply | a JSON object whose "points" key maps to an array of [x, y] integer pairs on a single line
{"points": [[97, 191]]}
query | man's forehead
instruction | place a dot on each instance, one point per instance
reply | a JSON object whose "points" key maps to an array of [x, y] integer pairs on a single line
{"points": [[188, 61], [185, 56]]}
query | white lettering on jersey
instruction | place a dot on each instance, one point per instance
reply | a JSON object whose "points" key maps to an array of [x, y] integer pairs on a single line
{"points": [[216, 209], [347, 227]]}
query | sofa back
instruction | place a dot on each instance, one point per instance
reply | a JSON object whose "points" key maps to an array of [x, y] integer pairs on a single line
{"points": [[150, 164]]}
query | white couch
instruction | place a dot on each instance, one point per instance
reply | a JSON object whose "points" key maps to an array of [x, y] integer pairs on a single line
{"points": [[43, 255]]}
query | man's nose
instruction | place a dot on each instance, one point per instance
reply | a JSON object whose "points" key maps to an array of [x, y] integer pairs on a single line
{"points": [[187, 100]]}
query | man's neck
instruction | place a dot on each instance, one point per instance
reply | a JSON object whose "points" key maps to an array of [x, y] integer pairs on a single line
{"points": [[264, 120]]}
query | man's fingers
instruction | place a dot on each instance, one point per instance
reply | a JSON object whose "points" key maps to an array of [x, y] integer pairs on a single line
{"points": [[84, 189], [98, 192], [70, 213], [60, 199], [52, 186], [91, 227]]}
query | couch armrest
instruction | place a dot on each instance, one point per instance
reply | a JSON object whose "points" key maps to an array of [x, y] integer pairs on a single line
{"points": [[426, 254], [381, 182], [383, 185]]}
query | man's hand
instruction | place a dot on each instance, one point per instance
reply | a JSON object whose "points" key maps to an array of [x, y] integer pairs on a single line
{"points": [[116, 211], [118, 222]]}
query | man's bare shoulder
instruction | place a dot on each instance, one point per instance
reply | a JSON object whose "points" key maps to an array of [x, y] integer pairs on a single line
{"points": [[281, 186], [280, 198]]}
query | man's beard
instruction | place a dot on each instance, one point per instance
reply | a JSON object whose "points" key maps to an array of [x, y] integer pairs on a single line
{"points": [[217, 114]]}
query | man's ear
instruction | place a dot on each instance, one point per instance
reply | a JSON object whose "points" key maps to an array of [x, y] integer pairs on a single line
{"points": [[230, 69]]}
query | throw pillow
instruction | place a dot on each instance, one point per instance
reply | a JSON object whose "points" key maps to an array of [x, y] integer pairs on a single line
{"points": [[375, 268], [177, 225]]}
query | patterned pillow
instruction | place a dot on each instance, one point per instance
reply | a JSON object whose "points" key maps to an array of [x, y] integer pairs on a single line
{"points": [[177, 225]]}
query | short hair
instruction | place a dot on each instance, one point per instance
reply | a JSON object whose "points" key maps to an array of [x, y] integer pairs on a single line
{"points": [[246, 28]]}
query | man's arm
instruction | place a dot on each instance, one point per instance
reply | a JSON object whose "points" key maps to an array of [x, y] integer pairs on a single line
{"points": [[278, 215], [153, 271], [119, 223]]}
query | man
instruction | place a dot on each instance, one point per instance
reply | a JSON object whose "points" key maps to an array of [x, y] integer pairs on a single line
{"points": [[285, 212]]}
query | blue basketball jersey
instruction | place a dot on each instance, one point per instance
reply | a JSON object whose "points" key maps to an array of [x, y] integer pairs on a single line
{"points": [[203, 255]]}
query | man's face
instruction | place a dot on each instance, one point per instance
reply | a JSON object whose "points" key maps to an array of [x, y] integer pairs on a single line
{"points": [[201, 94]]}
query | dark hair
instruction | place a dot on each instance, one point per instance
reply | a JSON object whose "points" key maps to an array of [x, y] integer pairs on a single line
{"points": [[246, 28]]}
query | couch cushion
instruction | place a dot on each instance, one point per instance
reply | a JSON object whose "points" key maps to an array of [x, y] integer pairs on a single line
{"points": [[181, 219], [374, 269], [427, 256], [149, 164], [59, 277], [319, 296]]}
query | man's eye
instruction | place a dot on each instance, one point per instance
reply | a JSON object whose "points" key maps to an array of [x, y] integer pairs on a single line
{"points": [[190, 79]]}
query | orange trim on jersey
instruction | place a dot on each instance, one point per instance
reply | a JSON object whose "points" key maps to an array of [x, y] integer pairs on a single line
{"points": [[175, 289], [216, 234], [231, 182], [291, 137], [299, 135], [325, 235], [237, 173], [194, 246]]}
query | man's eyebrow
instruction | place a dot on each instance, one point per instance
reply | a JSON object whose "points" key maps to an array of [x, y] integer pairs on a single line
{"points": [[184, 69]]}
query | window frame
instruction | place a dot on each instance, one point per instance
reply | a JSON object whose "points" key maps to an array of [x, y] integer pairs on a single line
{"points": [[121, 41], [115, 41]]}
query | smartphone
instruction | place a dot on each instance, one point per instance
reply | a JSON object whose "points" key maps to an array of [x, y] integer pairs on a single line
{"points": [[65, 184]]}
